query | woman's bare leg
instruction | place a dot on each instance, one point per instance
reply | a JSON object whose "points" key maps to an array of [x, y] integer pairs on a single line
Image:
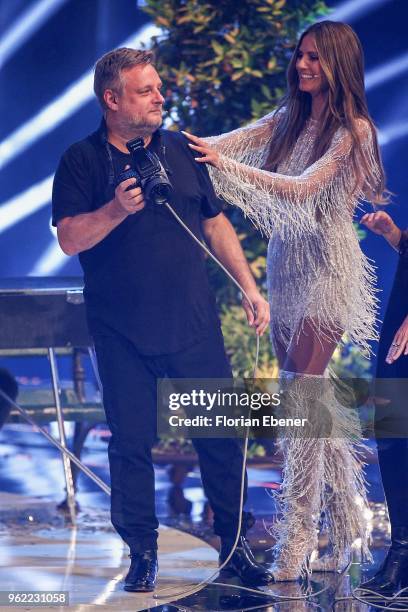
{"points": [[310, 351]]}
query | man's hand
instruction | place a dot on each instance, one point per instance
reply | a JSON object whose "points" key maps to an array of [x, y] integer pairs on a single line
{"points": [[131, 201], [262, 312], [381, 223], [399, 345]]}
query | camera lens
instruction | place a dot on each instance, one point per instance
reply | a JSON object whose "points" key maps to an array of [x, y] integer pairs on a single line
{"points": [[160, 193]]}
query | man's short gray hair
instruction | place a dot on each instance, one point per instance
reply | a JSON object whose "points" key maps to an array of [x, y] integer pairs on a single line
{"points": [[108, 69]]}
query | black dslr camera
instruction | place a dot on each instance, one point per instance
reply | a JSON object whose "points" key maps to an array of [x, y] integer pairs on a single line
{"points": [[148, 173]]}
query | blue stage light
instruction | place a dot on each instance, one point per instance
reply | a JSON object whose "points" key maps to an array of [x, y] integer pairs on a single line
{"points": [[26, 203], [51, 261], [392, 132], [353, 9], [25, 26], [378, 76], [78, 94]]}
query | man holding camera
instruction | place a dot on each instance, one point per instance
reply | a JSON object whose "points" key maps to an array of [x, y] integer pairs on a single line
{"points": [[149, 305]]}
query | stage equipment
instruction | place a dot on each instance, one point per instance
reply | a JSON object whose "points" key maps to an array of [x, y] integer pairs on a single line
{"points": [[48, 313]]}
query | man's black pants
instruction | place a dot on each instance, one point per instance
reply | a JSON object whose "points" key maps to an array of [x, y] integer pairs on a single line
{"points": [[129, 382]]}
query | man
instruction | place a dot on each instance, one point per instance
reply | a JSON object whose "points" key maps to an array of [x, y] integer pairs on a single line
{"points": [[150, 309]]}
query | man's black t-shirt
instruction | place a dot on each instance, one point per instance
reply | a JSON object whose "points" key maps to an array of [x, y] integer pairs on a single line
{"points": [[147, 279]]}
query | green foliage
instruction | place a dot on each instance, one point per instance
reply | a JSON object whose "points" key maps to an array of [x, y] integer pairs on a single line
{"points": [[349, 361], [240, 343], [224, 61]]}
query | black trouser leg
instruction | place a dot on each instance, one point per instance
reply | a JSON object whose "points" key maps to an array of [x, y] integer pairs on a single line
{"points": [[220, 458], [393, 460], [221, 473], [391, 430], [129, 396], [129, 386]]}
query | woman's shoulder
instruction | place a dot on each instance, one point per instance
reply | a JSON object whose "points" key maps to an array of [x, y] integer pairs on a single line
{"points": [[360, 128], [275, 115], [363, 127], [262, 126]]}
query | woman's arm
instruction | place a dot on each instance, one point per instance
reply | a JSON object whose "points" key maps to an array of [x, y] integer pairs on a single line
{"points": [[271, 199], [313, 179]]}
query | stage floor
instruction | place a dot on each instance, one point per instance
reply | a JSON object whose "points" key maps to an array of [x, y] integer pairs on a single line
{"points": [[40, 551], [89, 560]]}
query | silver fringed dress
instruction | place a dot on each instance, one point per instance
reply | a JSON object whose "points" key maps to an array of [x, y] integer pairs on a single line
{"points": [[316, 273], [316, 269]]}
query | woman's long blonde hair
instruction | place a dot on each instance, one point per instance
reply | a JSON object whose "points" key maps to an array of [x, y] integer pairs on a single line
{"points": [[342, 61]]}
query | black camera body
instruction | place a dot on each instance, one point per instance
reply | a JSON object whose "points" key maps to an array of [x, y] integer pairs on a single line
{"points": [[148, 173]]}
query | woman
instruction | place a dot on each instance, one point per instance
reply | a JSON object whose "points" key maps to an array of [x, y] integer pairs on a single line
{"points": [[299, 174], [391, 417]]}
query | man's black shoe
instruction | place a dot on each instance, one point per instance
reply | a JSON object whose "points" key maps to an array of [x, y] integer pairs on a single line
{"points": [[392, 575], [243, 564], [143, 572]]}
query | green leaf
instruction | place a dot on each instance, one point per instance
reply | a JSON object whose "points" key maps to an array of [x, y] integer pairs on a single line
{"points": [[272, 63], [199, 28], [218, 49], [237, 75], [230, 39], [183, 19], [162, 21]]}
